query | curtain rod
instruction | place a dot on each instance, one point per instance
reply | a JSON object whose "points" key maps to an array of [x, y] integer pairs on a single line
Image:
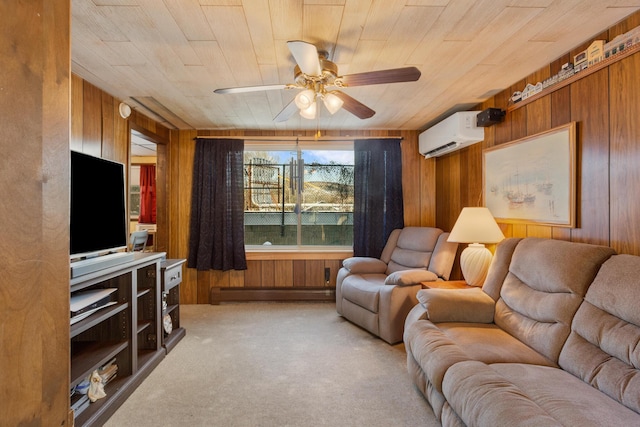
{"points": [[299, 138]]}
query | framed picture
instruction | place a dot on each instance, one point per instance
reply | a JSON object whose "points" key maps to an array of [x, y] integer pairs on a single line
{"points": [[533, 179]]}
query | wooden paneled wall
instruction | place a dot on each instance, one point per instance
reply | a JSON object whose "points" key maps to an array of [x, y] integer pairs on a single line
{"points": [[605, 105], [98, 129], [279, 271], [34, 235]]}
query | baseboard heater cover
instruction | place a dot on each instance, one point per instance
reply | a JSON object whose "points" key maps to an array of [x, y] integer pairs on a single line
{"points": [[219, 295]]}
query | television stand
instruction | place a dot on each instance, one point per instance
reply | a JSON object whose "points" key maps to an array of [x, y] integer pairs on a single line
{"points": [[90, 265], [127, 333]]}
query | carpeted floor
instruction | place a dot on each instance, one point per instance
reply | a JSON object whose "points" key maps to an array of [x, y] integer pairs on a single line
{"points": [[276, 364]]}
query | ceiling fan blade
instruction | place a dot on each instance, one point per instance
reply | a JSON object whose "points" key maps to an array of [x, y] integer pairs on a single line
{"points": [[354, 106], [286, 112], [244, 89], [306, 56], [394, 75]]}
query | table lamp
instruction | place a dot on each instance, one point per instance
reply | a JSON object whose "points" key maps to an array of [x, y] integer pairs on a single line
{"points": [[475, 226]]}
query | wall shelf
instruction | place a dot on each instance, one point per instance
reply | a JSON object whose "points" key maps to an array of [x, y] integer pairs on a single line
{"points": [[584, 73]]}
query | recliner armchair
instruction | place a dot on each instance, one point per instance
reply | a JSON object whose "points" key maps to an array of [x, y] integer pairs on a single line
{"points": [[377, 294]]}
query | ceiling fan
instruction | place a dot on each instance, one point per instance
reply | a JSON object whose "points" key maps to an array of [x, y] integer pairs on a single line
{"points": [[317, 78]]}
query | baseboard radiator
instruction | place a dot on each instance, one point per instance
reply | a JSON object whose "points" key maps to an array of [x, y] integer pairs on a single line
{"points": [[219, 295]]}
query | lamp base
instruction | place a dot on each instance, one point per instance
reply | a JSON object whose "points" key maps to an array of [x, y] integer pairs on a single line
{"points": [[474, 263]]}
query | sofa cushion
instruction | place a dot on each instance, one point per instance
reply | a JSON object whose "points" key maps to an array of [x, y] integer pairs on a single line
{"points": [[357, 265], [364, 290], [433, 351], [410, 277], [604, 346], [437, 347], [565, 397], [414, 248], [457, 305], [489, 344], [482, 397], [546, 282], [523, 394]]}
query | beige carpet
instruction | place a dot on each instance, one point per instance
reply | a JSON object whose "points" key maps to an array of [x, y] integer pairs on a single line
{"points": [[276, 364]]}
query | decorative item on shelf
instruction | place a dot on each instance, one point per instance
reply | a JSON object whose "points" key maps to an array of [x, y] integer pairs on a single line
{"points": [[550, 81], [595, 52], [580, 61], [566, 71], [96, 388], [531, 89], [515, 97], [167, 323], [475, 226]]}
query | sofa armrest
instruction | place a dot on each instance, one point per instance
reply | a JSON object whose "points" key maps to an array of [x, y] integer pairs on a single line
{"points": [[410, 277], [367, 265], [457, 305]]}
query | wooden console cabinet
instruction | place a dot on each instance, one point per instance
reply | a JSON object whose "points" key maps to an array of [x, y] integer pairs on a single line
{"points": [[128, 333]]}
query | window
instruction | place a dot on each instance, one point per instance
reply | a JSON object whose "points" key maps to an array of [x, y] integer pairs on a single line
{"points": [[298, 195]]}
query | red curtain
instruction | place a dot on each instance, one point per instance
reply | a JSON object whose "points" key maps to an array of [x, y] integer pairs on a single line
{"points": [[147, 194]]}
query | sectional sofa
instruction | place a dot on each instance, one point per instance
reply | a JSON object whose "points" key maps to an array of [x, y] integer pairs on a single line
{"points": [[552, 338]]}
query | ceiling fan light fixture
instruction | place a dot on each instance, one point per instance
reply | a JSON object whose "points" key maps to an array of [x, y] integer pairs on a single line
{"points": [[332, 102], [309, 112], [305, 99]]}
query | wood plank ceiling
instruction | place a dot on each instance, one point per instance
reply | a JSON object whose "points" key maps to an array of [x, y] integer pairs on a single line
{"points": [[165, 57]]}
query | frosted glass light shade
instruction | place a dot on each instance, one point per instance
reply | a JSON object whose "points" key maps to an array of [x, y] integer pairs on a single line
{"points": [[332, 102], [309, 112], [305, 99], [475, 226]]}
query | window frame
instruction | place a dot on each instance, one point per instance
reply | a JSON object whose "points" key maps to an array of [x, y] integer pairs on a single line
{"points": [[298, 145]]}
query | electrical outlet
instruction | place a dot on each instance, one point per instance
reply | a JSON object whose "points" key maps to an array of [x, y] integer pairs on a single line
{"points": [[327, 275]]}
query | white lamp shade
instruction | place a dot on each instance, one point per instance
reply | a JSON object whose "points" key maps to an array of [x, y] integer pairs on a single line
{"points": [[305, 99], [476, 225], [332, 102], [309, 112]]}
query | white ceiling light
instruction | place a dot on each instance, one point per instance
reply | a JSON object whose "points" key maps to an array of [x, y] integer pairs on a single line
{"points": [[332, 102], [305, 99], [310, 111]]}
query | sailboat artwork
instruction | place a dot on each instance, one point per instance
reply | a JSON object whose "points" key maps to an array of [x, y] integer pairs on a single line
{"points": [[532, 180]]}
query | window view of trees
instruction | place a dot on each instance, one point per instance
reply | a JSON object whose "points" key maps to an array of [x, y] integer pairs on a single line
{"points": [[299, 198]]}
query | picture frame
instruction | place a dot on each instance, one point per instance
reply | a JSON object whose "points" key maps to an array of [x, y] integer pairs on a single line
{"points": [[533, 179]]}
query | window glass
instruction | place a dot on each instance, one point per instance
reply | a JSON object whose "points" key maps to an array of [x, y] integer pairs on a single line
{"points": [[301, 196]]}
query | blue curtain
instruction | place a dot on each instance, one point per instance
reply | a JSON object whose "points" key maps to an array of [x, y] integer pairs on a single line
{"points": [[378, 203], [216, 230]]}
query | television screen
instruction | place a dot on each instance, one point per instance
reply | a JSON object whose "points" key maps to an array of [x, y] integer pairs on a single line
{"points": [[98, 207]]}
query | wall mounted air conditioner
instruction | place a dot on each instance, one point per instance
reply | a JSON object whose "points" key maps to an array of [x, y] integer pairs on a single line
{"points": [[453, 133]]}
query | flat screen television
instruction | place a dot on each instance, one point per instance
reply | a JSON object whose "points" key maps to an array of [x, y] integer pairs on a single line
{"points": [[98, 206]]}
